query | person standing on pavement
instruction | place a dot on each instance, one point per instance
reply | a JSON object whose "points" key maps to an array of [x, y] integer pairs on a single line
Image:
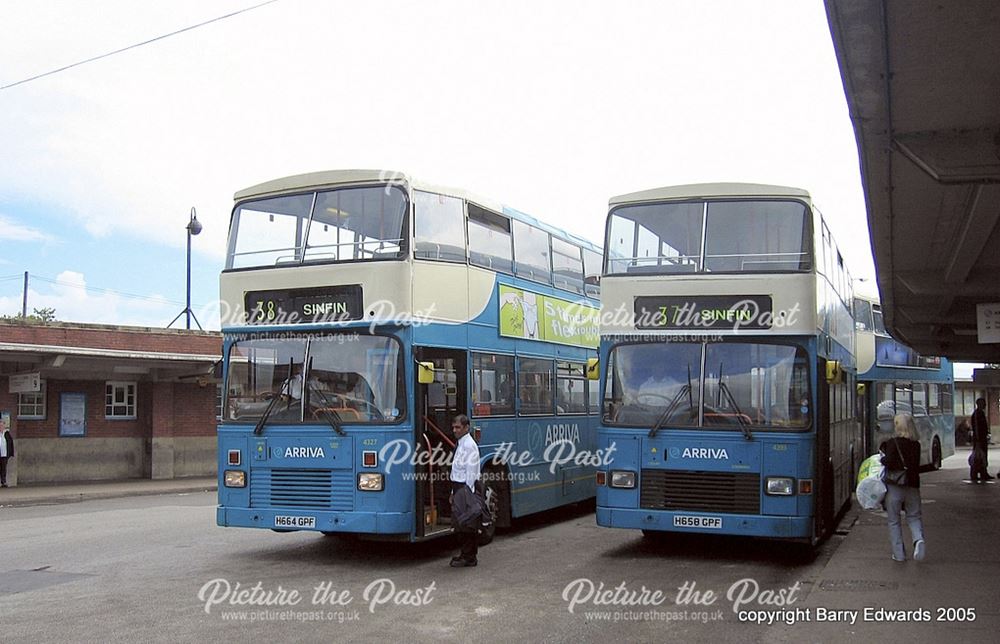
{"points": [[464, 503], [6, 452], [980, 443], [902, 452]]}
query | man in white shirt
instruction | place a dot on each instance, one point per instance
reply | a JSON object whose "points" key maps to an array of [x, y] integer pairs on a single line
{"points": [[464, 474]]}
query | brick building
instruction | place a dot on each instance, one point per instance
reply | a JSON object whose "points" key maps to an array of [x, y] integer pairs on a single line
{"points": [[95, 402]]}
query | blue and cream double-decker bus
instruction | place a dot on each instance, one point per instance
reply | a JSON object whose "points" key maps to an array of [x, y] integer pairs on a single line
{"points": [[727, 360], [365, 311], [893, 379]]}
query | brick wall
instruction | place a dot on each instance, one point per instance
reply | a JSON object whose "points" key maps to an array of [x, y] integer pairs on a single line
{"points": [[113, 337], [190, 411]]}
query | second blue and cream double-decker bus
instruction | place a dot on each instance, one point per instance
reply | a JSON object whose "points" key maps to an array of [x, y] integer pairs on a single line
{"points": [[365, 311], [728, 368], [893, 379]]}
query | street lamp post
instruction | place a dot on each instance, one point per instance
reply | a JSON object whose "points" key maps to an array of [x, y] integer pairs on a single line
{"points": [[193, 228]]}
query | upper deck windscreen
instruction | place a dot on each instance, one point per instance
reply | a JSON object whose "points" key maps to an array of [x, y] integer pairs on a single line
{"points": [[343, 224], [720, 236]]}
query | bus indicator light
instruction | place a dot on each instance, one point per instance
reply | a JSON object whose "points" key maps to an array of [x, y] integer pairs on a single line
{"points": [[234, 457], [369, 459], [806, 486], [602, 478]]}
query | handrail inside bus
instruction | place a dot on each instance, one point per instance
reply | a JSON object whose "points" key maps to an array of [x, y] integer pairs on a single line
{"points": [[430, 474], [440, 433]]}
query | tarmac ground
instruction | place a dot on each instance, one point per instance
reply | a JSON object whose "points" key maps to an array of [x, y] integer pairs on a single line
{"points": [[859, 591]]}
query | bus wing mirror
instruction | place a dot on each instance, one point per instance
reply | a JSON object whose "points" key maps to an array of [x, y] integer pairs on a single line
{"points": [[425, 373], [593, 369]]}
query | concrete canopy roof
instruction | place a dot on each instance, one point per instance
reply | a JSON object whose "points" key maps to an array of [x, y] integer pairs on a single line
{"points": [[922, 80]]}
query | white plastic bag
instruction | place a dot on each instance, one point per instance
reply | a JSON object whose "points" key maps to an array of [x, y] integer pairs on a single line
{"points": [[871, 490], [870, 493]]}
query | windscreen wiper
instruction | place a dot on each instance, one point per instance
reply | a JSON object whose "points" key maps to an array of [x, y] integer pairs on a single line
{"points": [[744, 425], [686, 389], [329, 414], [259, 427]]}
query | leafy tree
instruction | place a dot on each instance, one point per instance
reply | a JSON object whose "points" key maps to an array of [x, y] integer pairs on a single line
{"points": [[38, 316]]}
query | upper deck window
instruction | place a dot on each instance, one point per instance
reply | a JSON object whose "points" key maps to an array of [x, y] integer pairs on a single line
{"points": [[343, 224], [734, 236], [863, 315], [756, 236], [655, 238], [489, 240], [592, 272], [532, 253], [567, 266], [879, 322], [439, 227]]}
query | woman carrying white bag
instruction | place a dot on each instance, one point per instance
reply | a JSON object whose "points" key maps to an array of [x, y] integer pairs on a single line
{"points": [[901, 459]]}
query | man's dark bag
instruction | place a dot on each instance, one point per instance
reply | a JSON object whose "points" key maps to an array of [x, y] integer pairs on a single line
{"points": [[470, 512]]}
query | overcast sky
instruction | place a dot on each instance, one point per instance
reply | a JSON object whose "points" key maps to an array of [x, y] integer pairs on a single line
{"points": [[549, 107]]}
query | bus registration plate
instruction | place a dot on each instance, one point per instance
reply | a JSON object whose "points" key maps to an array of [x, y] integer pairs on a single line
{"points": [[686, 521], [294, 522]]}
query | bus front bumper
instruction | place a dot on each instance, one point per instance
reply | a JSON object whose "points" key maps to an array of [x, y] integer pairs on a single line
{"points": [[749, 525], [398, 523]]}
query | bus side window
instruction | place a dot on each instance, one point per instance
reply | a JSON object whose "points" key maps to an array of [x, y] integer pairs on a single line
{"points": [[492, 380]]}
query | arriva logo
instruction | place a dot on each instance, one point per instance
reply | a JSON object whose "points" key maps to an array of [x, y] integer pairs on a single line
{"points": [[304, 452], [704, 452], [562, 432]]}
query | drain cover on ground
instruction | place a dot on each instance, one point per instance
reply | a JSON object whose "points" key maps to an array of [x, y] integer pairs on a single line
{"points": [[857, 585], [19, 581]]}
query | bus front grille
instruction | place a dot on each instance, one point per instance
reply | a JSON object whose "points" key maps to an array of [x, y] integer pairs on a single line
{"points": [[304, 489], [736, 493]]}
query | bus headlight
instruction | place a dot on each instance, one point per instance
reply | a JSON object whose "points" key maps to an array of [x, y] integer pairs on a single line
{"points": [[780, 486], [370, 482], [235, 478], [623, 479]]}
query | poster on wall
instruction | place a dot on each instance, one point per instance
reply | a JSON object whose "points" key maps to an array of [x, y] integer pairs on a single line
{"points": [[72, 414]]}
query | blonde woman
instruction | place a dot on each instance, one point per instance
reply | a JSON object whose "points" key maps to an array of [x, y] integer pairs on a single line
{"points": [[901, 455]]}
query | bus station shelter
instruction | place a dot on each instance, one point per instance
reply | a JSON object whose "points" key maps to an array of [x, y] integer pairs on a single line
{"points": [[921, 80], [89, 402]]}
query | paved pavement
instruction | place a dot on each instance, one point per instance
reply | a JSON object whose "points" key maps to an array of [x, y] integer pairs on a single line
{"points": [[954, 591], [24, 495]]}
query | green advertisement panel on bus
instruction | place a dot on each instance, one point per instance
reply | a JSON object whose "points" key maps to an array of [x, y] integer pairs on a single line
{"points": [[533, 316]]}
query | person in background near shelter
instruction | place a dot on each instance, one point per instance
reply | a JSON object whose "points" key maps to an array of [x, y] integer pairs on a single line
{"points": [[6, 452], [980, 443], [902, 452], [464, 474]]}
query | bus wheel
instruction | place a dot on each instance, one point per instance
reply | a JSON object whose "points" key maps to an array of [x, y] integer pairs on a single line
{"points": [[497, 491], [936, 453]]}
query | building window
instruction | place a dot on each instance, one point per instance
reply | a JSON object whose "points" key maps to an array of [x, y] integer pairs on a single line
{"points": [[119, 400], [31, 406]]}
